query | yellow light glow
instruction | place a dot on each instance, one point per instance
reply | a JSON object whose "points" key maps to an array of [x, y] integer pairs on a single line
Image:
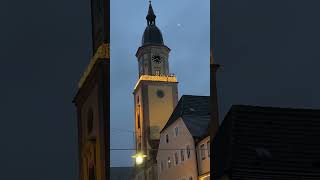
{"points": [[170, 78], [139, 158], [204, 176]]}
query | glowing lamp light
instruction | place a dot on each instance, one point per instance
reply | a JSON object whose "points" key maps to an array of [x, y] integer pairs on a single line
{"points": [[139, 158]]}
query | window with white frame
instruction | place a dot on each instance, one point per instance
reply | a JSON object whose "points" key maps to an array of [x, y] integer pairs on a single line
{"points": [[169, 162], [176, 158], [188, 152], [167, 138], [182, 154], [202, 152]]}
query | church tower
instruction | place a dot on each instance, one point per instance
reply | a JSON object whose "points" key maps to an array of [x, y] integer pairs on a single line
{"points": [[155, 94], [92, 100]]}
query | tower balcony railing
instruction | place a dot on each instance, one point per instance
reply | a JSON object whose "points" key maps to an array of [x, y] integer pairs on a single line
{"points": [[167, 75], [161, 78]]}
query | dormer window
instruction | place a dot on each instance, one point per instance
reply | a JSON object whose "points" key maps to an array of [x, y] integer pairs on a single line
{"points": [[167, 138], [192, 110]]}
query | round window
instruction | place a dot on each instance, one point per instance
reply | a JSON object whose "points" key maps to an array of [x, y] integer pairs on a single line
{"points": [[160, 93]]}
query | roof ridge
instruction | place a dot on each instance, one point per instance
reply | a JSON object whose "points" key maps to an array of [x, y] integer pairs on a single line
{"points": [[195, 95], [274, 107]]}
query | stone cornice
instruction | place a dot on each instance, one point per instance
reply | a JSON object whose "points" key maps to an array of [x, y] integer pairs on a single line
{"points": [[170, 78], [102, 53]]}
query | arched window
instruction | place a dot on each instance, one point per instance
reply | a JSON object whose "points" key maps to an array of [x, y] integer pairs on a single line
{"points": [[138, 120], [176, 158], [182, 154], [138, 116], [90, 121], [188, 151]]}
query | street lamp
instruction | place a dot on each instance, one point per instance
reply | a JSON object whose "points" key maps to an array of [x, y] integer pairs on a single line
{"points": [[139, 158]]}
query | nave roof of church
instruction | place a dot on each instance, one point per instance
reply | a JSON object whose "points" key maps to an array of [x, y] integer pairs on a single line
{"points": [[195, 113]]}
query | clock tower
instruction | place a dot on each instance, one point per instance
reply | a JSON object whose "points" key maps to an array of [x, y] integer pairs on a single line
{"points": [[155, 95], [92, 100]]}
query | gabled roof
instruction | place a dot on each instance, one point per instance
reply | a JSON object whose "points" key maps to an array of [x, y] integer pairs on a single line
{"points": [[195, 113], [268, 143]]}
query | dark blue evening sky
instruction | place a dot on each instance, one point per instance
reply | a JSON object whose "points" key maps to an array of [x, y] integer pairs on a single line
{"points": [[269, 51], [185, 27]]}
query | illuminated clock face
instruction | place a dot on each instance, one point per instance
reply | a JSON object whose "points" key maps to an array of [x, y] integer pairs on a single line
{"points": [[157, 59]]}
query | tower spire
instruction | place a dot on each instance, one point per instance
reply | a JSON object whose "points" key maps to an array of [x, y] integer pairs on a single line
{"points": [[151, 17]]}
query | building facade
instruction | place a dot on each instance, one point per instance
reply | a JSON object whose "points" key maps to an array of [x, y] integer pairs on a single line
{"points": [[203, 158], [181, 139], [155, 95], [176, 155], [92, 100]]}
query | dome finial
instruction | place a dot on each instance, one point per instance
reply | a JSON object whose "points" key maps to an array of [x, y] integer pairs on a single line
{"points": [[151, 17]]}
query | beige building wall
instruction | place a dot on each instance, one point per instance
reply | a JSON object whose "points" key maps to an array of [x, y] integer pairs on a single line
{"points": [[160, 109], [203, 158], [185, 169], [152, 109]]}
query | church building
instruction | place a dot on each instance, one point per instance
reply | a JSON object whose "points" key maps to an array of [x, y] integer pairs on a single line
{"points": [[92, 100], [155, 96]]}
